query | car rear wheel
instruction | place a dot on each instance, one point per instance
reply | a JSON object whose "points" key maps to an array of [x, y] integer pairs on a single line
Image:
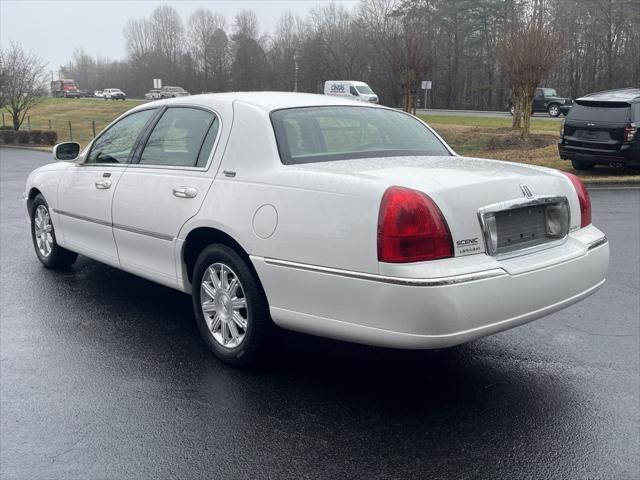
{"points": [[50, 254], [578, 165], [553, 110], [512, 109], [230, 306]]}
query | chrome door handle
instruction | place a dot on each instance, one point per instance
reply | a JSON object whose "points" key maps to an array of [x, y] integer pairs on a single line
{"points": [[185, 192], [103, 185]]}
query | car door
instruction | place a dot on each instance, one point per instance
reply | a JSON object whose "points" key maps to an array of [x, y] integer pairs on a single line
{"points": [[538, 100], [85, 192], [162, 189]]}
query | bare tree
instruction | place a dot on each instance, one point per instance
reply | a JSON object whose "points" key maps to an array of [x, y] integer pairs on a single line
{"points": [[200, 28], [24, 85], [246, 24], [528, 51], [402, 34], [284, 52], [3, 81], [249, 65], [168, 35]]}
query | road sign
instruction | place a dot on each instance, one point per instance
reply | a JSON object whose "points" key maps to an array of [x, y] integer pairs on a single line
{"points": [[157, 83], [426, 85]]}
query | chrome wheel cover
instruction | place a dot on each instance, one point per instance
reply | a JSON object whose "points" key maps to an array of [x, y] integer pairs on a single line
{"points": [[554, 111], [43, 231], [224, 305]]}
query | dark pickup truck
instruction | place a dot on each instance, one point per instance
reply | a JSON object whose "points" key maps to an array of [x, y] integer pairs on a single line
{"points": [[547, 100], [602, 129]]}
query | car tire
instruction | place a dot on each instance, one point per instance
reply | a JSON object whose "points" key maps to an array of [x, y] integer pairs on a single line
{"points": [[578, 165], [553, 110], [230, 306], [512, 109], [43, 235]]}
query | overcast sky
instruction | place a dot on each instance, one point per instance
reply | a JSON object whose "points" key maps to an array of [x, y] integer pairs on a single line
{"points": [[53, 28]]}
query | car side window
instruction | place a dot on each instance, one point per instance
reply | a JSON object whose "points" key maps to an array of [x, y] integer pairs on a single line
{"points": [[353, 91], [539, 93], [116, 143], [178, 138]]}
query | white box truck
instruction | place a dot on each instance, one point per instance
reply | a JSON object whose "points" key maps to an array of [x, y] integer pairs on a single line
{"points": [[348, 88]]}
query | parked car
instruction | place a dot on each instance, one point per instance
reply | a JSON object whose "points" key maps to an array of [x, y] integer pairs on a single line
{"points": [[337, 218], [602, 129], [98, 94], [153, 95], [350, 89], [547, 100], [173, 92], [85, 93], [114, 94]]}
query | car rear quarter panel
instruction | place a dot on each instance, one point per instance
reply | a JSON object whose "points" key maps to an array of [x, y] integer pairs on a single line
{"points": [[318, 220]]}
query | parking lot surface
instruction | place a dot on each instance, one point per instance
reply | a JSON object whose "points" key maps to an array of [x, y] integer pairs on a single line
{"points": [[103, 375]]}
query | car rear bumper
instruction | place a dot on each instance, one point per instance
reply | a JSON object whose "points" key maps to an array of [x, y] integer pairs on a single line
{"points": [[628, 154], [419, 313]]}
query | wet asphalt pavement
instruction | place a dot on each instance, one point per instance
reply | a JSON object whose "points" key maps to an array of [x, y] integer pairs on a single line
{"points": [[103, 375]]}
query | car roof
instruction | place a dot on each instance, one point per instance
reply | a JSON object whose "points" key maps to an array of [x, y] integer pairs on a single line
{"points": [[627, 95], [267, 101]]}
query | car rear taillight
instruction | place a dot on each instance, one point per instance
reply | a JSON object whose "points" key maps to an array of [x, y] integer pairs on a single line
{"points": [[630, 130], [562, 128], [583, 198], [411, 228]]}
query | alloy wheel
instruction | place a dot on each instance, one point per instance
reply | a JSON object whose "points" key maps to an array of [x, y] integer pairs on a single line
{"points": [[224, 305], [43, 231]]}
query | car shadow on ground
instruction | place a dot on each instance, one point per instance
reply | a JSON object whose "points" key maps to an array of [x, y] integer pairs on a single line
{"points": [[156, 318]]}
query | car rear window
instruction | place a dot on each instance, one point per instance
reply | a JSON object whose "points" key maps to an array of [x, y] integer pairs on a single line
{"points": [[618, 113], [322, 134]]}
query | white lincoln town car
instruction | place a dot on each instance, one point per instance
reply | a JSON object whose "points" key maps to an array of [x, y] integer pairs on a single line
{"points": [[317, 214]]}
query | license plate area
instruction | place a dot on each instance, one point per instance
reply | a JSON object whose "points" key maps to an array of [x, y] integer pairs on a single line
{"points": [[593, 135], [524, 225]]}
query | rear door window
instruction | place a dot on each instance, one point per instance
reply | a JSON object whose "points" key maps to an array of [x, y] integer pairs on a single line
{"points": [[179, 137]]}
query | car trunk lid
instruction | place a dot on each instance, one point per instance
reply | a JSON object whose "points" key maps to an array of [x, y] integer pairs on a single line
{"points": [[460, 186]]}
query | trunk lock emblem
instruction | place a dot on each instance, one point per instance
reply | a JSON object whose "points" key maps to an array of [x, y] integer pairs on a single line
{"points": [[526, 191]]}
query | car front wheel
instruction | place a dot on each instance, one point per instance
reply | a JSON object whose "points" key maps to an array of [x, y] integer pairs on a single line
{"points": [[230, 306], [553, 110], [50, 254]]}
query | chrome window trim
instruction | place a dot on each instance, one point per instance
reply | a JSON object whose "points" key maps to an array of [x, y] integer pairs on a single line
{"points": [[412, 282], [519, 203]]}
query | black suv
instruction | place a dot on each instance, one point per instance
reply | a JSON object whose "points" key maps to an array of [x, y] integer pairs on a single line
{"points": [[602, 129], [547, 100]]}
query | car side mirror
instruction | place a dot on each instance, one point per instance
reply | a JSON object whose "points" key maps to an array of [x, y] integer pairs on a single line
{"points": [[66, 151]]}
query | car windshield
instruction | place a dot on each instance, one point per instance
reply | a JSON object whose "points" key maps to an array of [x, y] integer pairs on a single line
{"points": [[364, 89], [549, 92], [322, 134]]}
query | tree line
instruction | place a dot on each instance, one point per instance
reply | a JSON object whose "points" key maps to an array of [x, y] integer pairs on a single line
{"points": [[479, 54], [458, 44]]}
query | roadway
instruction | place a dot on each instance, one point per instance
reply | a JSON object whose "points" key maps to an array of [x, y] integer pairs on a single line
{"points": [[104, 375]]}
